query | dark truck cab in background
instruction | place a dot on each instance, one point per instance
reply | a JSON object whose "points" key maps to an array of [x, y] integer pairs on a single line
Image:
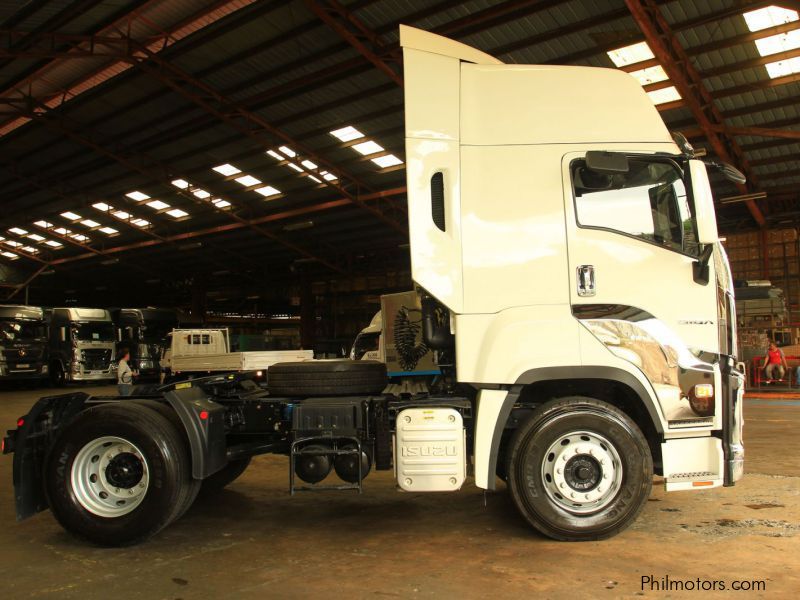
{"points": [[23, 343], [143, 331]]}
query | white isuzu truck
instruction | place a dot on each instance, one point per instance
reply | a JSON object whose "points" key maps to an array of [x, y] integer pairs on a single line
{"points": [[573, 289]]}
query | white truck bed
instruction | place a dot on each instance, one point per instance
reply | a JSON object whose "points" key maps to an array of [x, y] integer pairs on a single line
{"points": [[237, 361]]}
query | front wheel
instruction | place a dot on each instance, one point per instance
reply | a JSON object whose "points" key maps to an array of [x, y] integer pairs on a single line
{"points": [[117, 474], [579, 469]]}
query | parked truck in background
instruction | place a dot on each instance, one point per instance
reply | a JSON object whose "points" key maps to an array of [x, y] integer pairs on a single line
{"points": [[574, 291], [197, 352], [82, 345], [394, 337], [23, 343], [144, 332]]}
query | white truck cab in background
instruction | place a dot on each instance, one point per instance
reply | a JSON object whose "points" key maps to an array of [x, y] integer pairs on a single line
{"points": [[573, 244], [82, 345]]}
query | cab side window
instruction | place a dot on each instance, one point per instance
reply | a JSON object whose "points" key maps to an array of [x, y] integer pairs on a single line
{"points": [[649, 202]]}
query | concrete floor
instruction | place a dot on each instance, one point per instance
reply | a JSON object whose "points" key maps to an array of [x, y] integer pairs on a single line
{"points": [[254, 541]]}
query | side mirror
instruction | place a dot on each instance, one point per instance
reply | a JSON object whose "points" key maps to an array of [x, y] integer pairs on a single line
{"points": [[700, 271], [730, 172], [703, 203]]}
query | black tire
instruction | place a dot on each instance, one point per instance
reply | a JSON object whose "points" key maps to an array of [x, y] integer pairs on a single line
{"points": [[532, 445], [327, 378], [225, 476], [57, 376], [192, 487], [165, 457]]}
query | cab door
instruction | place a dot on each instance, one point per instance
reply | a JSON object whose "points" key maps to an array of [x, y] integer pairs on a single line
{"points": [[633, 243]]}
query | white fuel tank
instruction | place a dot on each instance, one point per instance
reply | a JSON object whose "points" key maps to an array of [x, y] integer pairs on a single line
{"points": [[430, 450]]}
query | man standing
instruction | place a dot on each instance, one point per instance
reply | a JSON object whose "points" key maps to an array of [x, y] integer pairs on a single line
{"points": [[124, 374], [774, 363]]}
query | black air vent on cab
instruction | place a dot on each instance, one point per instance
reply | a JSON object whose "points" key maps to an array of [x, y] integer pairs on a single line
{"points": [[437, 200]]}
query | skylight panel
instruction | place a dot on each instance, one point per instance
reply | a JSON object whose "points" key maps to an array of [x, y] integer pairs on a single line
{"points": [[108, 230], [18, 231], [102, 206], [247, 180], [311, 177], [784, 67], [30, 250], [177, 213], [61, 231], [138, 196], [368, 147], [35, 237], [287, 151], [267, 191], [390, 160], [10, 255], [220, 203], [121, 214], [650, 75], [157, 204], [43, 224], [328, 176], [295, 167], [769, 16], [308, 164], [783, 42], [13, 244], [227, 170], [662, 96], [202, 194], [79, 237], [275, 155], [347, 134], [90, 223], [53, 243], [180, 183], [71, 216], [630, 55], [140, 222]]}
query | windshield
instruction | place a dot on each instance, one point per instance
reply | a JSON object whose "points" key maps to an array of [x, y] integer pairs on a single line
{"points": [[94, 331], [365, 342], [14, 331]]}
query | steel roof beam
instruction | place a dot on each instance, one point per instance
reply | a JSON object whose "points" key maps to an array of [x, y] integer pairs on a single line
{"points": [[689, 83], [359, 36]]}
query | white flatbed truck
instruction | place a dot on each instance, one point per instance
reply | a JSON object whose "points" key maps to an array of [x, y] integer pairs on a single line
{"points": [[573, 288], [201, 352]]}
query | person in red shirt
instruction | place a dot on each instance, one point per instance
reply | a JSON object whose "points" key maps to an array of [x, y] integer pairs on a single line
{"points": [[774, 362]]}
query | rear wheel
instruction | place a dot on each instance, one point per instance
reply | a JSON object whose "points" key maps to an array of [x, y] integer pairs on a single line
{"points": [[117, 474], [579, 469]]}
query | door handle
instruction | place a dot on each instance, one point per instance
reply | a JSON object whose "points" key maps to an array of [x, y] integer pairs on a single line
{"points": [[586, 284]]}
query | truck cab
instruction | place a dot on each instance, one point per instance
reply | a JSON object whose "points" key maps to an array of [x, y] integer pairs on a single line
{"points": [[82, 345], [144, 331], [23, 343]]}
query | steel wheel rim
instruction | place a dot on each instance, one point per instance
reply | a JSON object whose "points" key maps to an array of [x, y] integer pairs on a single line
{"points": [[582, 472], [110, 477]]}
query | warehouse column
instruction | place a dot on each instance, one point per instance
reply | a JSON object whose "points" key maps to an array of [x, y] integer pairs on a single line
{"points": [[308, 314]]}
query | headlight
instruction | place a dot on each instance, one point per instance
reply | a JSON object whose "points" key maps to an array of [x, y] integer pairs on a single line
{"points": [[704, 390]]}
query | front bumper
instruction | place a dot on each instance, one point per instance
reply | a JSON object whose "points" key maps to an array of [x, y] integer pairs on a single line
{"points": [[93, 376], [732, 421], [34, 370]]}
